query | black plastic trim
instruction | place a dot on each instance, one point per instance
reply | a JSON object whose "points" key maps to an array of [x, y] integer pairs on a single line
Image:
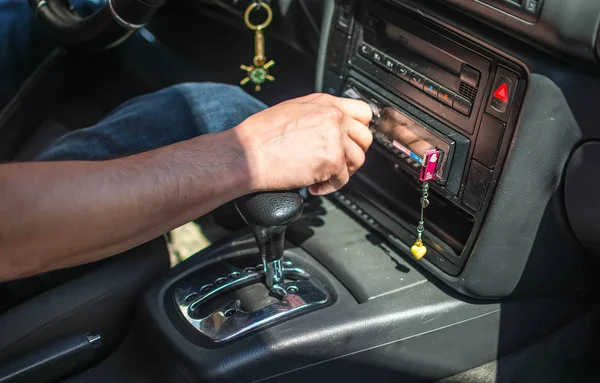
{"points": [[565, 26], [375, 331]]}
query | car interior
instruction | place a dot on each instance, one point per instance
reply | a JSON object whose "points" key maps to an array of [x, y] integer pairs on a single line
{"points": [[464, 250]]}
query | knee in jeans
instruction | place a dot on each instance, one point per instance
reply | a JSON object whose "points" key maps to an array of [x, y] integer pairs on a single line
{"points": [[215, 107], [210, 97], [209, 91]]}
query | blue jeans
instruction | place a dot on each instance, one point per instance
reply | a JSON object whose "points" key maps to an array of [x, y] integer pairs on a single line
{"points": [[157, 119], [144, 123]]}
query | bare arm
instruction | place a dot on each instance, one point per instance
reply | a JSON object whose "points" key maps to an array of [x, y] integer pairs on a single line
{"points": [[59, 214]]}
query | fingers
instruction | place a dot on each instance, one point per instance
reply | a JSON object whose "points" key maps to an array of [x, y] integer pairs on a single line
{"points": [[358, 132], [354, 159], [322, 188], [342, 136], [356, 139], [355, 155], [341, 178], [356, 109]]}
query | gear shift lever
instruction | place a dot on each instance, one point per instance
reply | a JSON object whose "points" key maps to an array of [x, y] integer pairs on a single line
{"points": [[268, 214]]}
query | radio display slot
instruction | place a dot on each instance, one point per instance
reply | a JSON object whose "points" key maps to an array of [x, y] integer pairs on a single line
{"points": [[411, 138], [403, 136]]}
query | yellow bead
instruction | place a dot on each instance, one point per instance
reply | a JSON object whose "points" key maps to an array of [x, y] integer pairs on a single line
{"points": [[418, 250]]}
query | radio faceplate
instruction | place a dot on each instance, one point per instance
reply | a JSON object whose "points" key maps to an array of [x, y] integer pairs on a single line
{"points": [[402, 135], [440, 75], [416, 128]]}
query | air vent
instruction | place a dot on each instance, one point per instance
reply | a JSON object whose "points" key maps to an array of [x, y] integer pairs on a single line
{"points": [[467, 91]]}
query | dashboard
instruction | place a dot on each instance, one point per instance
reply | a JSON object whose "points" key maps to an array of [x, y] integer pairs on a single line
{"points": [[504, 116], [565, 26]]}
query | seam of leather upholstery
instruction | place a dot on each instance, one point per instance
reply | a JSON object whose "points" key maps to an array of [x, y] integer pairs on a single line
{"points": [[43, 326]]}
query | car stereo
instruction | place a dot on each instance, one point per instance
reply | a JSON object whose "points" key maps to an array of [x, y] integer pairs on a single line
{"points": [[407, 139], [438, 74], [436, 96]]}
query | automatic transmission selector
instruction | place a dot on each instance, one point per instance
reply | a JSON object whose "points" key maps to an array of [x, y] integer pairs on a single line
{"points": [[268, 214], [224, 300]]}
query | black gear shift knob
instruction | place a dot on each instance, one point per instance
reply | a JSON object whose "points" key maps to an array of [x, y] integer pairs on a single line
{"points": [[270, 209], [268, 214]]}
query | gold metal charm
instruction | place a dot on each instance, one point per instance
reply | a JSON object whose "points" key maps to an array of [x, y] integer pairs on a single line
{"points": [[418, 249], [259, 72]]}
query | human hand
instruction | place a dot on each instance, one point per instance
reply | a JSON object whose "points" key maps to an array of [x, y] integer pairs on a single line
{"points": [[317, 141]]}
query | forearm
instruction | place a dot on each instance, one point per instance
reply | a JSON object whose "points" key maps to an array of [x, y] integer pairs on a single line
{"points": [[58, 214]]}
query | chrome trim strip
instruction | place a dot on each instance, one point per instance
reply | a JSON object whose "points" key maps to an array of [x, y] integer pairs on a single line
{"points": [[121, 21], [230, 321], [212, 292], [295, 273], [199, 292]]}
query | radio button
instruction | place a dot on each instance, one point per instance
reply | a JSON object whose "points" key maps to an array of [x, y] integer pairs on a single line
{"points": [[531, 6], [390, 64], [417, 80], [403, 72], [365, 50], [502, 95], [470, 75], [445, 96], [401, 154], [431, 88], [377, 56], [462, 105]]}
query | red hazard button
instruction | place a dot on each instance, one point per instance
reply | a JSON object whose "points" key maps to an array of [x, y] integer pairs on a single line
{"points": [[501, 97], [502, 93]]}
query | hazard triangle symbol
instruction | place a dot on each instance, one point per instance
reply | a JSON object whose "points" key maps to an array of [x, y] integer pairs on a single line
{"points": [[502, 93]]}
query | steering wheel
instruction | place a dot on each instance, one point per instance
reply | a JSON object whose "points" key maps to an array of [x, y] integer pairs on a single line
{"points": [[106, 28]]}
